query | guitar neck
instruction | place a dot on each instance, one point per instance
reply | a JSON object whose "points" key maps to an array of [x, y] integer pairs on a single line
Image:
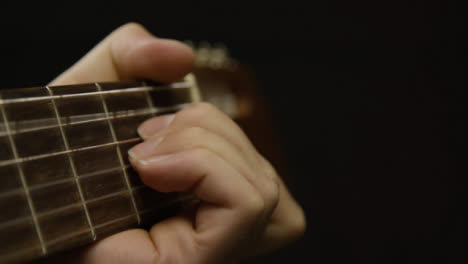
{"points": [[66, 179], [63, 160]]}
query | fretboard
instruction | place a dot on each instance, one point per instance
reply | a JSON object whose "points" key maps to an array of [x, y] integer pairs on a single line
{"points": [[66, 178]]}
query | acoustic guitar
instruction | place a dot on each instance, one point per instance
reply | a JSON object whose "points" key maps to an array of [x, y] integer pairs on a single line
{"points": [[66, 178]]}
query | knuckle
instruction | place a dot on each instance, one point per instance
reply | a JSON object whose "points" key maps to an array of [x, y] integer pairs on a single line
{"points": [[271, 193], [270, 185], [254, 204]]}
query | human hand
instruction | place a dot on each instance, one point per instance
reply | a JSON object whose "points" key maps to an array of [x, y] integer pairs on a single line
{"points": [[245, 208]]}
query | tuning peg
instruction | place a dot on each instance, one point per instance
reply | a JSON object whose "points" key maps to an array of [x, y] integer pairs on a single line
{"points": [[210, 56], [218, 57], [202, 54]]}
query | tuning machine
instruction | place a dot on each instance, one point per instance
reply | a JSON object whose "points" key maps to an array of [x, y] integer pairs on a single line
{"points": [[213, 56]]}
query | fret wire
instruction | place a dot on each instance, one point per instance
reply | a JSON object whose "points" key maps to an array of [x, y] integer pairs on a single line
{"points": [[119, 154], [177, 85], [72, 164], [23, 179], [116, 115], [148, 99]]}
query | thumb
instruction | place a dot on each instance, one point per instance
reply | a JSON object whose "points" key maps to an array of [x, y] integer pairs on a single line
{"points": [[131, 52]]}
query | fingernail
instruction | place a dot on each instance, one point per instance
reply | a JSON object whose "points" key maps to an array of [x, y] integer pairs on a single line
{"points": [[153, 126], [144, 149], [152, 160]]}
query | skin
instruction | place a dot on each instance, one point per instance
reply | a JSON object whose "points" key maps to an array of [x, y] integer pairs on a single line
{"points": [[245, 208]]}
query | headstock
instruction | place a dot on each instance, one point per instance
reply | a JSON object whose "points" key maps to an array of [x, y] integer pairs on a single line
{"points": [[218, 76]]}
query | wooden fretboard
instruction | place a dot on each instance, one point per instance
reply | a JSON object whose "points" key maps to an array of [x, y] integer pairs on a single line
{"points": [[66, 179]]}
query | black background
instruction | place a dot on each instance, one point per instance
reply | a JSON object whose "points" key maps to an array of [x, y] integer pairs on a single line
{"points": [[367, 97]]}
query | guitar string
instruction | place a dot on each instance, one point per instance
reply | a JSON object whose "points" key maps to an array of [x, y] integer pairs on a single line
{"points": [[163, 205], [82, 176], [48, 184], [68, 236], [35, 157], [59, 181], [66, 207], [176, 85], [86, 119], [130, 90], [86, 175]]}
